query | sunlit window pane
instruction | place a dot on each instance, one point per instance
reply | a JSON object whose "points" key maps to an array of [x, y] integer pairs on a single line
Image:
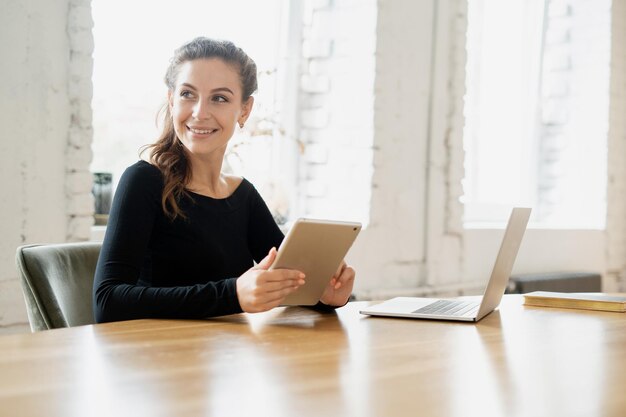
{"points": [[537, 112]]}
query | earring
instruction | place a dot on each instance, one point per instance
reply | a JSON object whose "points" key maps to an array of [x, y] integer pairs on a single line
{"points": [[240, 125]]}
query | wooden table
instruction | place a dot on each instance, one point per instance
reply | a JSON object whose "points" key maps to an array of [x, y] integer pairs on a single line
{"points": [[518, 361]]}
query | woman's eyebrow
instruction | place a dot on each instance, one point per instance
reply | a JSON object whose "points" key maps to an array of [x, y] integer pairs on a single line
{"points": [[216, 90]]}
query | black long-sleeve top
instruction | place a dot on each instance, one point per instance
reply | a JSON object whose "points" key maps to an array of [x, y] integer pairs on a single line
{"points": [[150, 266]]}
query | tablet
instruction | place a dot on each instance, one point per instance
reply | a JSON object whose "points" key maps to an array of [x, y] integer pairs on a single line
{"points": [[317, 248]]}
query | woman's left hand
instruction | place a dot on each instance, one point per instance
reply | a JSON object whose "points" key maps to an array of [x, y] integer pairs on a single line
{"points": [[340, 286]]}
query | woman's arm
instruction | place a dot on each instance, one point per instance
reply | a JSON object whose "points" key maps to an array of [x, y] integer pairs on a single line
{"points": [[263, 232], [117, 295]]}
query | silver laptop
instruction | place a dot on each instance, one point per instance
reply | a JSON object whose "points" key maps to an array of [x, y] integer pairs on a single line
{"points": [[462, 310]]}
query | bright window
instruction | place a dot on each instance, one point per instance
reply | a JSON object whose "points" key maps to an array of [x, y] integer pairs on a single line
{"points": [[537, 112]]}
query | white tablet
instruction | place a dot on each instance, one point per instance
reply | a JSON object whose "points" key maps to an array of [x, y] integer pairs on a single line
{"points": [[317, 248]]}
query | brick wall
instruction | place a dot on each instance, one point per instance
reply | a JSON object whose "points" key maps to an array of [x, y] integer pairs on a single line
{"points": [[395, 161], [574, 119], [80, 203], [444, 250], [45, 88], [337, 108], [413, 243], [584, 100], [615, 278]]}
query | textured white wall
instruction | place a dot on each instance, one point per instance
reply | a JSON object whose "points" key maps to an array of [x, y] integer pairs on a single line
{"points": [[390, 252], [615, 279], [575, 105], [41, 98], [337, 108], [413, 243], [78, 154]]}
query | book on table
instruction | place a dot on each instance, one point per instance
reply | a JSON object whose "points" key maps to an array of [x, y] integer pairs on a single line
{"points": [[585, 301]]}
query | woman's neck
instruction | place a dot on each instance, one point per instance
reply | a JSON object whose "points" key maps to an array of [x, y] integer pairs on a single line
{"points": [[206, 177]]}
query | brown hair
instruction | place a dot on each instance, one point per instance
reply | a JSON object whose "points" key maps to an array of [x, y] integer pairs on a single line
{"points": [[168, 153]]}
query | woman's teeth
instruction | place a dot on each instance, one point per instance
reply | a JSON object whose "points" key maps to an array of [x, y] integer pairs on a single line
{"points": [[201, 131]]}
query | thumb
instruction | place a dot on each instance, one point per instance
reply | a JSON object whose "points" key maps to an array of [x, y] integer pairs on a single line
{"points": [[268, 260]]}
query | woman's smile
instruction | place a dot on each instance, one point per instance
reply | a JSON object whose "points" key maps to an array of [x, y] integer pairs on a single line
{"points": [[201, 131]]}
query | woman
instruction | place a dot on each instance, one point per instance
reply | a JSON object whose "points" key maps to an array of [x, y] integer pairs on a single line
{"points": [[182, 235]]}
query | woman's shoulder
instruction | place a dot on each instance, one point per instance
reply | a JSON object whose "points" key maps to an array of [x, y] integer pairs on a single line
{"points": [[242, 186], [143, 170], [143, 175], [142, 167]]}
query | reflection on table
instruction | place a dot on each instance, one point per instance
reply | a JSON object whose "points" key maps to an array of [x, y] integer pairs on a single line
{"points": [[518, 361]]}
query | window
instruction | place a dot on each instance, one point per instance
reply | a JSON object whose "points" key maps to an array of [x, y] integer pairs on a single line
{"points": [[537, 111]]}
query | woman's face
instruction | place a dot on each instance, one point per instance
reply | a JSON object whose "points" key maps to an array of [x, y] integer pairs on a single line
{"points": [[206, 106]]}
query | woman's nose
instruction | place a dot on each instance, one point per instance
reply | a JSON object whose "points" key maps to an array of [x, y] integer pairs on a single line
{"points": [[201, 110]]}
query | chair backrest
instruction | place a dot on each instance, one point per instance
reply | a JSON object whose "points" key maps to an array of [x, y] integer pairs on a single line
{"points": [[57, 281]]}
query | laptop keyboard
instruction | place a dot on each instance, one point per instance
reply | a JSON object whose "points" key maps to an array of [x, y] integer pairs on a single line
{"points": [[450, 308]]}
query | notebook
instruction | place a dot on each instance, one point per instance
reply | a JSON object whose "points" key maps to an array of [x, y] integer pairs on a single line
{"points": [[584, 301], [463, 310]]}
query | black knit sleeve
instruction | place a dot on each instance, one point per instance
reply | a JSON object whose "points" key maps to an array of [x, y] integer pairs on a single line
{"points": [[117, 294], [263, 232]]}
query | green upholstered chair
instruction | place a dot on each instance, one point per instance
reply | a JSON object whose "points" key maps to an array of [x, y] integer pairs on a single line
{"points": [[57, 281]]}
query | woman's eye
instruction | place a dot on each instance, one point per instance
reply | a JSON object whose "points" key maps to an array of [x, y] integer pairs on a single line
{"points": [[186, 94], [220, 99]]}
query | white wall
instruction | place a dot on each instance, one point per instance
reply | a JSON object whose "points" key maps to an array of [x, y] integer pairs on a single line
{"points": [[390, 252], [616, 185], [413, 242], [337, 108], [45, 187], [575, 104]]}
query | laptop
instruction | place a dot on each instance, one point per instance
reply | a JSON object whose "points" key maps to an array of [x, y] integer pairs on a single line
{"points": [[463, 310]]}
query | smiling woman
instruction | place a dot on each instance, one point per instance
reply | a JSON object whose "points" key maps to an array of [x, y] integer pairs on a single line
{"points": [[183, 235]]}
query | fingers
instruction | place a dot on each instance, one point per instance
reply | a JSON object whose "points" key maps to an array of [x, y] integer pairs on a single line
{"points": [[279, 275], [261, 290], [335, 282], [268, 260], [275, 298], [273, 286], [268, 300], [345, 277], [340, 269]]}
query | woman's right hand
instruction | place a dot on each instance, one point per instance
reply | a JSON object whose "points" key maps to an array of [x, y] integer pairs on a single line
{"points": [[260, 290]]}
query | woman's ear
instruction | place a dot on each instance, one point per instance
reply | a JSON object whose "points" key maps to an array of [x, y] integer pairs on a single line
{"points": [[246, 108]]}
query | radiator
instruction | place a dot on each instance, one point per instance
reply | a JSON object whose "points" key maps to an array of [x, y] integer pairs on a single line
{"points": [[555, 281]]}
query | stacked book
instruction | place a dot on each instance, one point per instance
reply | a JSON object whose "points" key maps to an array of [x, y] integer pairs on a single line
{"points": [[585, 301]]}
